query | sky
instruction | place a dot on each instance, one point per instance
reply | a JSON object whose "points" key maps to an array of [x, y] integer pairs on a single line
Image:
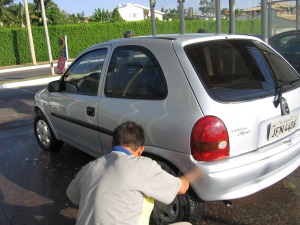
{"points": [[89, 6]]}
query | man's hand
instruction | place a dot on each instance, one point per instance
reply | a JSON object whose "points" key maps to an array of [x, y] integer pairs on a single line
{"points": [[189, 177]]}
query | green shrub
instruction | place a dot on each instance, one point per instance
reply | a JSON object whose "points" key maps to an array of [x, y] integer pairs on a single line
{"points": [[15, 49]]}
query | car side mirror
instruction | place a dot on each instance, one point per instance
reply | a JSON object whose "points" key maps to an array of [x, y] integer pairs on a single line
{"points": [[54, 86]]}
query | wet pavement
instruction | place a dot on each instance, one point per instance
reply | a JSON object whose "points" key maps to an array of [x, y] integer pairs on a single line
{"points": [[17, 103], [276, 205], [33, 184], [32, 181]]}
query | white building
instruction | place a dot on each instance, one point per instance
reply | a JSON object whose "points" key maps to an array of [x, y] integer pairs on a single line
{"points": [[135, 12]]}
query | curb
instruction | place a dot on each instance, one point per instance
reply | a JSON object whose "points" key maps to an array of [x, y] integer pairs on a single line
{"points": [[32, 82], [24, 68], [30, 67], [29, 82]]}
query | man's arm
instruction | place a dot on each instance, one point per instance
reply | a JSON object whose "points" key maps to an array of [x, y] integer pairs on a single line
{"points": [[188, 178], [185, 184], [73, 191]]}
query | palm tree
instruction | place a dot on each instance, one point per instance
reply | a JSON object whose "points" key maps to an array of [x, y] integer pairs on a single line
{"points": [[172, 14], [100, 15], [18, 13], [5, 15], [37, 14]]}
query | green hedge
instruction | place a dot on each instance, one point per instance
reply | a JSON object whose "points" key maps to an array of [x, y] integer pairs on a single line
{"points": [[14, 44]]}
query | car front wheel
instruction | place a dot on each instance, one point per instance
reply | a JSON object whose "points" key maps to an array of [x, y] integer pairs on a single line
{"points": [[187, 207], [44, 134]]}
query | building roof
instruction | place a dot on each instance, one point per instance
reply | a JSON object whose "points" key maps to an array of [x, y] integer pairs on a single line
{"points": [[130, 5], [275, 5]]}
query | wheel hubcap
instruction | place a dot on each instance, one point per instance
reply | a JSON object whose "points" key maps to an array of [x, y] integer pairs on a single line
{"points": [[167, 213], [43, 132]]}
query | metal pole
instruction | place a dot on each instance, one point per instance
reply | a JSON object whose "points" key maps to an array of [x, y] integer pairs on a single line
{"points": [[264, 22], [269, 4], [181, 11], [47, 37], [152, 5], [232, 16], [32, 51], [297, 14], [218, 16]]}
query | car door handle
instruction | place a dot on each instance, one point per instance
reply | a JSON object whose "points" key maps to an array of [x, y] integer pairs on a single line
{"points": [[90, 111]]}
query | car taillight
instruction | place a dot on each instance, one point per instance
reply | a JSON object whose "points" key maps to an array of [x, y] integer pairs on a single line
{"points": [[209, 139]]}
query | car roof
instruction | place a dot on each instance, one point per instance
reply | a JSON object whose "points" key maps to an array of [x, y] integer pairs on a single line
{"points": [[180, 38]]}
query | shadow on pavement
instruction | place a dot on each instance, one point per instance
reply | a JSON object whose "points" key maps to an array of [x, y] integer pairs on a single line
{"points": [[33, 182], [17, 103]]}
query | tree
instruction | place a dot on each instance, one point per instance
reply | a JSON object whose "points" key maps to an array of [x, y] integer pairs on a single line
{"points": [[54, 16], [5, 14], [80, 16], [100, 15], [72, 18], [207, 7], [163, 10], [224, 11], [18, 12], [171, 14], [51, 10], [238, 12], [116, 17], [66, 17]]}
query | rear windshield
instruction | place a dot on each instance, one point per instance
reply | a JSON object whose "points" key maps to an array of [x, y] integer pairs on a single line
{"points": [[240, 70]]}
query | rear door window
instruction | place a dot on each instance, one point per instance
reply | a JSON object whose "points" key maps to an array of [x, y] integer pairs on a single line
{"points": [[134, 72], [240, 70]]}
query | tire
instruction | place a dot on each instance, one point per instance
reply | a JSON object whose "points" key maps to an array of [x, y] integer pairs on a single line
{"points": [[44, 134], [187, 207]]}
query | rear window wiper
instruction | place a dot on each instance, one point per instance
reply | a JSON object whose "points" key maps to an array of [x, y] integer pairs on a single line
{"points": [[278, 95]]}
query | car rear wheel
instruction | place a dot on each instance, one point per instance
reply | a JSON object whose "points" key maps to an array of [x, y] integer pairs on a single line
{"points": [[44, 134], [187, 207]]}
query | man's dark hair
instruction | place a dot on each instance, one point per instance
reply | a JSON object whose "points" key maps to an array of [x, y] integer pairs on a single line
{"points": [[201, 31], [129, 134], [128, 34]]}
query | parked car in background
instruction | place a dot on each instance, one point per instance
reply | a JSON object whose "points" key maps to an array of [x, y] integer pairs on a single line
{"points": [[227, 105], [288, 45]]}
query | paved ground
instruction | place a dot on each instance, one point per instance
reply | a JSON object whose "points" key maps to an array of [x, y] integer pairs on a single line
{"points": [[33, 184]]}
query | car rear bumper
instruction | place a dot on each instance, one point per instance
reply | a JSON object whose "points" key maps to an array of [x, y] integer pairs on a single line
{"points": [[244, 175]]}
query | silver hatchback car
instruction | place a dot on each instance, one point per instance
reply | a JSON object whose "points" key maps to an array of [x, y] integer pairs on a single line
{"points": [[225, 104]]}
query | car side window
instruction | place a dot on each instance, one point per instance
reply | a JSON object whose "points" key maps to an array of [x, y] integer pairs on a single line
{"points": [[134, 72], [287, 44], [85, 73], [292, 44]]}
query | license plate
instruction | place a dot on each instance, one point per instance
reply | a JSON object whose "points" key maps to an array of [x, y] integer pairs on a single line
{"points": [[283, 126]]}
